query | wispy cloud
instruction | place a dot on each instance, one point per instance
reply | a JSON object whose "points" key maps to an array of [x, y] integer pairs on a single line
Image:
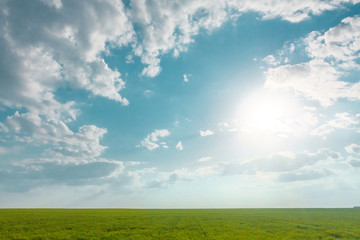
{"points": [[206, 133], [186, 77], [179, 146], [280, 162], [341, 121], [353, 148], [204, 159]]}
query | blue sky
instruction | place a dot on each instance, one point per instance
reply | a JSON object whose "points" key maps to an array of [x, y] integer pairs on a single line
{"points": [[189, 104]]}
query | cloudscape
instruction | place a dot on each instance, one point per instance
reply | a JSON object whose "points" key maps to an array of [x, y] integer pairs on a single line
{"points": [[179, 104]]}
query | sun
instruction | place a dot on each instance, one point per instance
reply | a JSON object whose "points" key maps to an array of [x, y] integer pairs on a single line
{"points": [[265, 111]]}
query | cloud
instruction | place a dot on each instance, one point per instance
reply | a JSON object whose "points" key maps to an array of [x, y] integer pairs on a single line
{"points": [[271, 60], [164, 183], [171, 26], [150, 141], [186, 77], [342, 121], [341, 43], [67, 146], [304, 176], [224, 126], [179, 146], [353, 148], [333, 54], [279, 162], [64, 48], [129, 59], [3, 128], [206, 133], [21, 178], [70, 42], [354, 163], [2, 150], [168, 179], [204, 159], [148, 93], [291, 11]]}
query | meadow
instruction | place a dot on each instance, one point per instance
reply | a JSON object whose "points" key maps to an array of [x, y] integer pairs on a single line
{"points": [[180, 224]]}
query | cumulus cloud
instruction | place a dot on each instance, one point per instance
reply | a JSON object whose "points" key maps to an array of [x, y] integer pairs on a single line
{"points": [[66, 144], [63, 48], [70, 42], [46, 45], [171, 26], [150, 141], [179, 146], [206, 133], [341, 121], [67, 44], [333, 54]]}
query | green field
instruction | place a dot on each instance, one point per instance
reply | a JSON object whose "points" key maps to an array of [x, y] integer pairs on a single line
{"points": [[180, 224]]}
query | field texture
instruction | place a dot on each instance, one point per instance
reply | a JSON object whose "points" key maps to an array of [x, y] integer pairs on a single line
{"points": [[180, 224]]}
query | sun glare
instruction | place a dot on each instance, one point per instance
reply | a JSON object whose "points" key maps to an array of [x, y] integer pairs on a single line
{"points": [[264, 111]]}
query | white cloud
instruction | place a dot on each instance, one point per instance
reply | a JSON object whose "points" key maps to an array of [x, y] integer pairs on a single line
{"points": [[67, 45], [304, 175], [129, 59], [206, 133], [292, 11], [67, 146], [333, 54], [171, 26], [179, 146], [69, 42], [341, 43], [204, 159], [147, 93], [224, 126], [316, 80], [271, 60], [342, 121], [353, 148], [164, 145], [150, 141], [292, 48], [64, 48], [186, 77], [280, 162]]}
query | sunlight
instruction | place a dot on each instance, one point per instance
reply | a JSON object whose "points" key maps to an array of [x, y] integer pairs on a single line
{"points": [[266, 111]]}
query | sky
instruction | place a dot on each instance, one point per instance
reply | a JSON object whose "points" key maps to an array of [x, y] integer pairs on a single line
{"points": [[179, 104]]}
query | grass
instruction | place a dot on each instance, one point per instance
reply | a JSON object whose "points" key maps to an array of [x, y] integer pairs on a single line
{"points": [[180, 224]]}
